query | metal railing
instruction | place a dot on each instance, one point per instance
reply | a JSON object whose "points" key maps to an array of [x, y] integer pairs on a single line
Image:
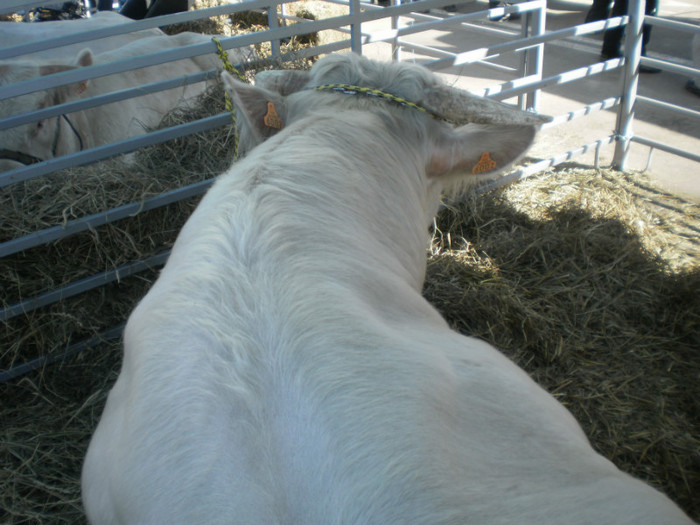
{"points": [[630, 98]]}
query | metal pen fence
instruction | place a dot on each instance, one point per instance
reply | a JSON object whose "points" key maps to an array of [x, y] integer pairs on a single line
{"points": [[633, 59], [399, 22]]}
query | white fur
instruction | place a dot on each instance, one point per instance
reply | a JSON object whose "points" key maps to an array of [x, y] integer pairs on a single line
{"points": [[14, 34], [285, 369]]}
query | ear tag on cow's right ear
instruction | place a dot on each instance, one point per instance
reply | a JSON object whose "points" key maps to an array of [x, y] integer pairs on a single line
{"points": [[272, 119], [486, 163]]}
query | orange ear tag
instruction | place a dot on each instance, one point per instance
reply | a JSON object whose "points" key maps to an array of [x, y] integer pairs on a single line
{"points": [[272, 119], [486, 163], [82, 87]]}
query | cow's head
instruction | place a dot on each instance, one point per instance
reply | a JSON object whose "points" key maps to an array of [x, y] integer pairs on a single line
{"points": [[48, 137], [464, 133]]}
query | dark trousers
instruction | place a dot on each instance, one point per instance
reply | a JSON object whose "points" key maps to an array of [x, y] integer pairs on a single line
{"points": [[102, 5], [137, 9], [612, 40]]}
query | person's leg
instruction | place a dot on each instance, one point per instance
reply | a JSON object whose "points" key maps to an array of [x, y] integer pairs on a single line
{"points": [[651, 8], [612, 40], [166, 7], [600, 10], [135, 9]]}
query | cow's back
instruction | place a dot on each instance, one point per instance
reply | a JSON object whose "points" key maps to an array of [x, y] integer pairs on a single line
{"points": [[15, 33]]}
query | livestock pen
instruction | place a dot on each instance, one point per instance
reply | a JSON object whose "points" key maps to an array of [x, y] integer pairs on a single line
{"points": [[588, 279]]}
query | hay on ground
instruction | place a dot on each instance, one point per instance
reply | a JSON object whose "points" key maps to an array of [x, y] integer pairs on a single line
{"points": [[591, 283]]}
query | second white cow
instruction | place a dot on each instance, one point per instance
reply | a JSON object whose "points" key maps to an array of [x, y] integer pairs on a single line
{"points": [[100, 125], [285, 368], [18, 33]]}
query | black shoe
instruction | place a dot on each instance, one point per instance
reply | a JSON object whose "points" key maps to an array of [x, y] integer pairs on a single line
{"points": [[498, 3], [594, 15], [692, 87], [608, 56], [648, 69]]}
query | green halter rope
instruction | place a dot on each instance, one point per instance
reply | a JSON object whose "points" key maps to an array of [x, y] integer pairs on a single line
{"points": [[223, 55], [348, 89]]}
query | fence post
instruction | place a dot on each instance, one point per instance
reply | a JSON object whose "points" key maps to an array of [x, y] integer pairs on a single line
{"points": [[395, 49], [536, 55], [356, 27], [534, 58], [630, 80], [273, 23]]}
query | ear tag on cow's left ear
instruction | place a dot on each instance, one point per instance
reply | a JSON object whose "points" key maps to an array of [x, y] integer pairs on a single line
{"points": [[272, 119], [486, 163], [82, 87]]}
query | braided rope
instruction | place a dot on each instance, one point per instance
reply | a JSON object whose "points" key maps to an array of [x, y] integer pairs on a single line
{"points": [[348, 89], [223, 55]]}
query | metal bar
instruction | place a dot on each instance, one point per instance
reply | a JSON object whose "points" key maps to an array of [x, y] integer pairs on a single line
{"points": [[314, 51], [670, 149], [130, 27], [95, 220], [448, 60], [370, 15], [669, 66], [522, 85], [630, 81], [484, 53], [10, 6], [273, 24], [108, 98], [35, 364], [83, 285], [583, 112], [668, 106], [395, 47], [356, 26], [113, 149], [535, 56], [169, 55], [462, 19], [119, 66], [524, 67], [671, 24], [537, 167]]}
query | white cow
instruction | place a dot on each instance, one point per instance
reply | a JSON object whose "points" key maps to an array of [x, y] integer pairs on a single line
{"points": [[74, 132], [13, 34], [285, 369]]}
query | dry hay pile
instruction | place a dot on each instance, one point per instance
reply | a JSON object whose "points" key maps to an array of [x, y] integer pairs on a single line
{"points": [[589, 281]]}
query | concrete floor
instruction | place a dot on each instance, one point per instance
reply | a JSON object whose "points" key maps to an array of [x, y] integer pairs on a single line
{"points": [[679, 175]]}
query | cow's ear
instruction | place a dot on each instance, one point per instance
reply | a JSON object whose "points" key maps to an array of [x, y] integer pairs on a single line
{"points": [[70, 91], [264, 111], [84, 58], [477, 149]]}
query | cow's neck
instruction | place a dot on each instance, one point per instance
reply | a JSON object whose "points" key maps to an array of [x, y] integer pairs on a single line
{"points": [[314, 206]]}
